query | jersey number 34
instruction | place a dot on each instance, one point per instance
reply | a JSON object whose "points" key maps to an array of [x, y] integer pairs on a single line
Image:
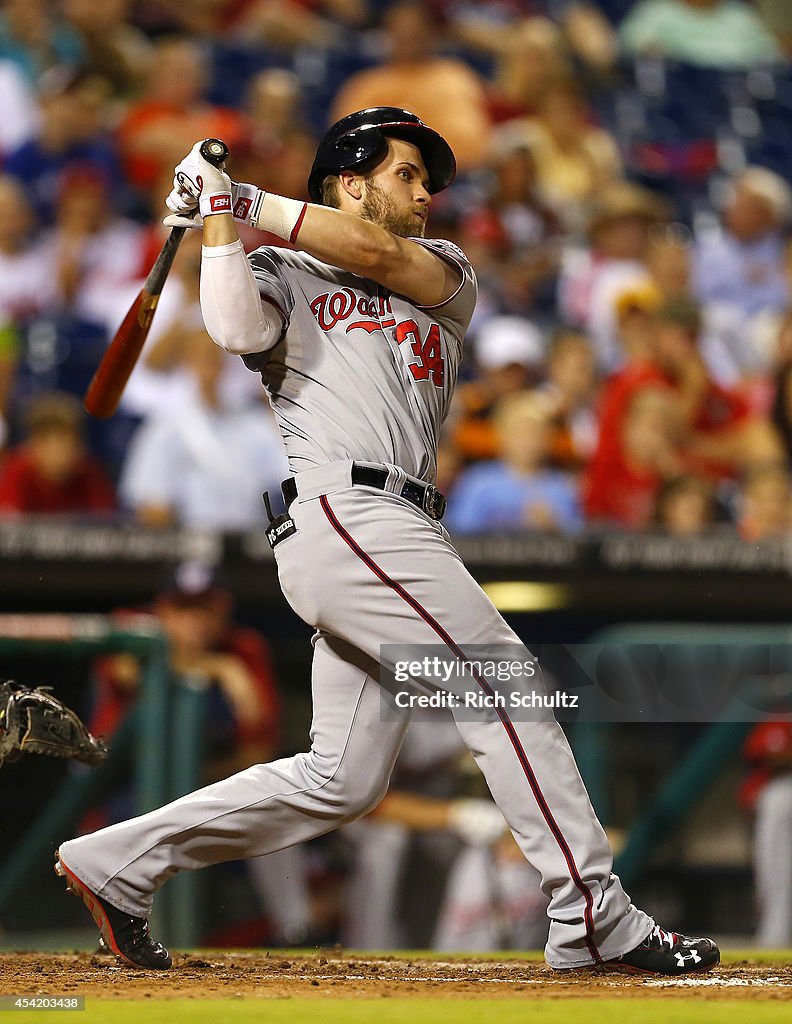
{"points": [[428, 364]]}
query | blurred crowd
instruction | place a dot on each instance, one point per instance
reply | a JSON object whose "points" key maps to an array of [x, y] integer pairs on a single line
{"points": [[623, 193]]}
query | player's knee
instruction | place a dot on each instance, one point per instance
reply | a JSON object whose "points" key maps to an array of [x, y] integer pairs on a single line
{"points": [[364, 796], [358, 795], [346, 791]]}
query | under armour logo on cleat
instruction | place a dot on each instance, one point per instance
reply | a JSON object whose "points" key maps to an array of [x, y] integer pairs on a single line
{"points": [[693, 956]]}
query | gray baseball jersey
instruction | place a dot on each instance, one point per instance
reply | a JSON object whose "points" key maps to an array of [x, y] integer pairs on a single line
{"points": [[360, 373]]}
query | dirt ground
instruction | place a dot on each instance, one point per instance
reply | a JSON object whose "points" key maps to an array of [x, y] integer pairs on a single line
{"points": [[334, 973]]}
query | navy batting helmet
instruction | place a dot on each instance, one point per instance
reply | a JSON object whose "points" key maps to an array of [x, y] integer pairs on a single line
{"points": [[359, 141]]}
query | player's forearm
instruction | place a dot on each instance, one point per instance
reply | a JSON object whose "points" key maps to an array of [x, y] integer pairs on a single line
{"points": [[219, 230], [349, 242], [232, 309], [330, 235]]}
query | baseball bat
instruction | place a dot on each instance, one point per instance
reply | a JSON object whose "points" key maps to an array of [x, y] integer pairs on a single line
{"points": [[108, 383]]}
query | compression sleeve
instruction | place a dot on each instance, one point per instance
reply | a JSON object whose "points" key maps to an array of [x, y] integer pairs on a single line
{"points": [[234, 314]]}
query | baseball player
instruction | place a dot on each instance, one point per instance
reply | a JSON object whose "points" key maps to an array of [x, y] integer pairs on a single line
{"points": [[358, 337]]}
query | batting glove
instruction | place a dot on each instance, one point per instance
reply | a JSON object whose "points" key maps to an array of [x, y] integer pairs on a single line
{"points": [[476, 822], [197, 183], [179, 220]]}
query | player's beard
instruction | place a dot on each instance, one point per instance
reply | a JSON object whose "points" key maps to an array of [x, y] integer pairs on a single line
{"points": [[380, 208]]}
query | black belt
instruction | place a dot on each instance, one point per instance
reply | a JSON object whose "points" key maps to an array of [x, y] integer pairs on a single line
{"points": [[425, 496]]}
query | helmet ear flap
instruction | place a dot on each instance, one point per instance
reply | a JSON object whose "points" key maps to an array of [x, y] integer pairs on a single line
{"points": [[363, 147], [358, 150]]}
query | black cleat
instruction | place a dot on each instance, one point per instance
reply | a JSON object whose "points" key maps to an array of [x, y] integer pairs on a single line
{"points": [[663, 952], [128, 937]]}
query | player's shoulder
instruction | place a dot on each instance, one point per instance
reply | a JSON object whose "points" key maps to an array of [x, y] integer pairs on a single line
{"points": [[443, 247], [460, 304], [458, 307], [275, 260]]}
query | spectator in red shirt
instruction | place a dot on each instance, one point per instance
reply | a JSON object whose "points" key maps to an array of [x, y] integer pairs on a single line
{"points": [[714, 433], [196, 616], [635, 311], [622, 488], [53, 473], [722, 437]]}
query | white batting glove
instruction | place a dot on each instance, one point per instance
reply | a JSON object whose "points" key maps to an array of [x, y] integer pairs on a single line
{"points": [[176, 220], [181, 203], [476, 822], [197, 183]]}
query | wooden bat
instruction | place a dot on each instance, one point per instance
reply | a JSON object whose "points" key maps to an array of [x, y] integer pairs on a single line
{"points": [[108, 383]]}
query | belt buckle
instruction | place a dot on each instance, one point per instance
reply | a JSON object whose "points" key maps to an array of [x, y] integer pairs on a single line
{"points": [[434, 504]]}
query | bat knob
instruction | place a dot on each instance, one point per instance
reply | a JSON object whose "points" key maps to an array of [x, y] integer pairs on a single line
{"points": [[215, 151]]}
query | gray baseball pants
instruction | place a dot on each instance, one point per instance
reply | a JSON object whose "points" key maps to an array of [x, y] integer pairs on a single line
{"points": [[368, 568]]}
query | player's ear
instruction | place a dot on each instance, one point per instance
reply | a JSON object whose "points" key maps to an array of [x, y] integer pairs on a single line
{"points": [[351, 183]]}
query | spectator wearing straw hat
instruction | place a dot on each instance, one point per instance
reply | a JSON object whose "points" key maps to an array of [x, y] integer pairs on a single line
{"points": [[613, 259], [744, 264]]}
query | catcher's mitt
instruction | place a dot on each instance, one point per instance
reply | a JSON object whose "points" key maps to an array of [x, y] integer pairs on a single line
{"points": [[32, 721]]}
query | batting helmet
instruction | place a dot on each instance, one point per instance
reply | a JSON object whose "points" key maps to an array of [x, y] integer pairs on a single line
{"points": [[359, 141]]}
